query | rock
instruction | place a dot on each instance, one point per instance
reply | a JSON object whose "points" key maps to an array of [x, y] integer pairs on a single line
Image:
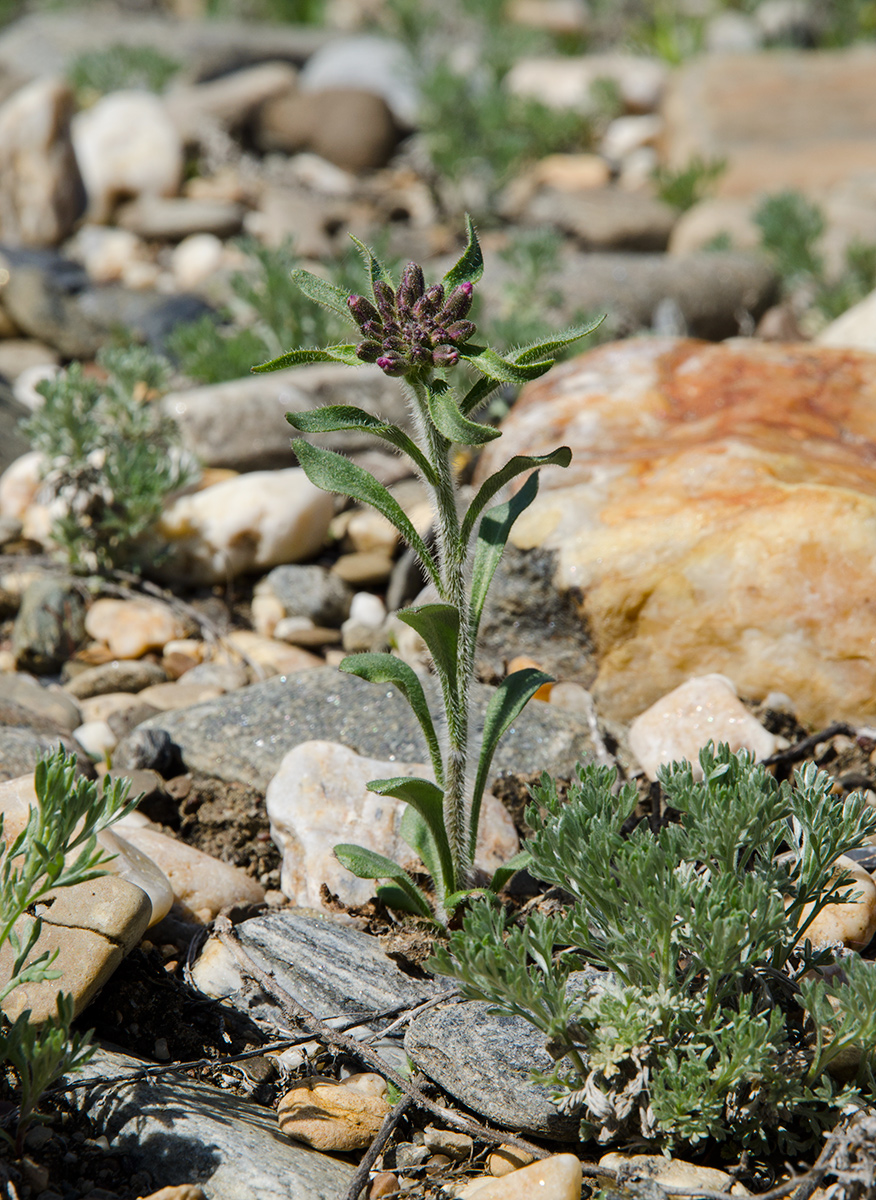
{"points": [[715, 217], [272, 656], [129, 675], [362, 630], [347, 126], [561, 172], [556, 1178], [102, 708], [567, 82], [696, 471], [21, 747], [41, 193], [243, 525], [225, 675], [12, 411], [373, 64], [365, 568], [628, 134], [170, 695], [109, 255], [457, 1146], [786, 120], [96, 739], [485, 1061], [732, 33], [242, 737], [49, 702], [704, 709], [49, 626], [170, 220], [195, 259], [854, 330], [852, 924], [794, 21], [604, 218], [229, 100], [669, 1172], [293, 212], [20, 483], [320, 789], [365, 529], [183, 1130], [335, 1116], [147, 750], [201, 884], [92, 926], [18, 355], [130, 628], [507, 1158], [126, 145], [300, 631]]}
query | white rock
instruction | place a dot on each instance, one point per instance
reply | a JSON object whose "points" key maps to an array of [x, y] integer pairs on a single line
{"points": [[369, 530], [374, 64], [367, 609], [704, 709], [273, 656], [555, 1178], [96, 739], [107, 254], [732, 33], [25, 387], [100, 708], [20, 483], [126, 145], [852, 924], [626, 134], [855, 329], [130, 628], [244, 524], [319, 798], [195, 259], [362, 629], [672, 1171], [567, 82]]}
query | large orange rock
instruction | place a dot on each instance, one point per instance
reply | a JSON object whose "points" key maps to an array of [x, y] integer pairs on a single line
{"points": [[719, 515]]}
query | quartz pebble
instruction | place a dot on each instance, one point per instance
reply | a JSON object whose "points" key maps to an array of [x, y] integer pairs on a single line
{"points": [[96, 739], [271, 655], [362, 630], [703, 709], [669, 1171], [556, 1178], [130, 628], [854, 923], [336, 1116]]}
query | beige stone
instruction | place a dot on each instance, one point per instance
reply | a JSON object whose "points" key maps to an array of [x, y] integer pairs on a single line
{"points": [[855, 329], [853, 924], [712, 491], [179, 1191], [335, 1116], [20, 483], [168, 696], [712, 218], [454, 1145], [506, 1158], [273, 656], [671, 1171], [100, 708], [556, 1178], [130, 628]]}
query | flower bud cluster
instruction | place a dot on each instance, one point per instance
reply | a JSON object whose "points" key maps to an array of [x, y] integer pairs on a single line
{"points": [[414, 326]]}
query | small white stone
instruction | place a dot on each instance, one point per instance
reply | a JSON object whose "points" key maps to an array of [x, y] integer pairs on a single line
{"points": [[20, 483], [106, 254], [195, 259], [555, 1178], [626, 134], [367, 609], [27, 381], [852, 924], [96, 739], [267, 612]]}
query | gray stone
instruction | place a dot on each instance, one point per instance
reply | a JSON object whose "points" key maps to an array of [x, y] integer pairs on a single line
{"points": [[312, 592], [50, 703], [49, 626], [12, 411], [352, 128], [242, 424], [125, 675], [146, 750], [182, 1132], [21, 747], [172, 218], [243, 736], [604, 218]]}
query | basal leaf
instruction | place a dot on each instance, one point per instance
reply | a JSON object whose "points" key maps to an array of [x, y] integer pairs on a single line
{"points": [[395, 898], [377, 272], [334, 473], [500, 877], [502, 370], [540, 351], [386, 668], [506, 704], [365, 864], [333, 418], [297, 358], [470, 266], [492, 535], [329, 295], [514, 467], [427, 800], [451, 424], [438, 626], [421, 840]]}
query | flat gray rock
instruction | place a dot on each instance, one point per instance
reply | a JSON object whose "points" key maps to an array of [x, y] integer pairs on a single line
{"points": [[242, 736], [184, 1132]]}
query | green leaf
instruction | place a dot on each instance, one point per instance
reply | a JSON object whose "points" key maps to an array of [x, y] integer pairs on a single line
{"points": [[507, 702], [514, 467], [503, 370], [333, 418], [438, 626], [492, 536], [334, 473], [329, 295], [450, 422], [386, 668], [297, 358], [470, 266], [396, 898], [477, 394], [500, 877], [365, 864], [427, 800], [376, 270], [419, 837], [540, 351]]}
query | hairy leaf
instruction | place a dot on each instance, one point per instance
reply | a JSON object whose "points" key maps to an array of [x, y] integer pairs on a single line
{"points": [[503, 370], [514, 467], [428, 800], [343, 417], [538, 352], [365, 864], [329, 295], [451, 424], [492, 535], [295, 358], [438, 626], [470, 266], [377, 272]]}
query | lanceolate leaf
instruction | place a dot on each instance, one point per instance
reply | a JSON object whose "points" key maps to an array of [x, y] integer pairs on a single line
{"points": [[506, 704], [492, 535], [396, 898], [514, 467], [520, 860], [329, 295], [438, 626], [478, 394], [376, 270], [334, 473], [470, 266], [427, 800], [503, 370], [386, 668], [343, 417], [297, 358], [539, 351], [420, 838], [365, 864], [450, 422]]}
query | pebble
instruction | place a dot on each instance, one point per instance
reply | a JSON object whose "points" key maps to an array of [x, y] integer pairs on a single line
{"points": [[299, 631], [556, 1178], [671, 1171], [50, 624], [170, 219], [129, 675], [567, 82], [102, 708], [704, 709], [227, 676], [195, 259], [108, 254], [130, 628], [375, 64], [20, 483], [853, 924], [366, 568], [320, 791], [456, 1146], [227, 101], [47, 701], [179, 694], [362, 630], [309, 591], [507, 1158], [96, 739], [245, 524], [627, 134], [335, 1116], [347, 126], [273, 656], [365, 530]]}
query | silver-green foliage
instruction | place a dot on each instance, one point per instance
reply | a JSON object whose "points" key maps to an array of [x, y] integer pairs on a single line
{"points": [[56, 848], [111, 457], [418, 335], [701, 1030]]}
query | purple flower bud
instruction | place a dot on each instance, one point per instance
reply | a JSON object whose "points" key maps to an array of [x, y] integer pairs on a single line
{"points": [[458, 304], [460, 331], [385, 297], [373, 329], [393, 364], [421, 355], [445, 356], [430, 301], [362, 311], [411, 287], [369, 351]]}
